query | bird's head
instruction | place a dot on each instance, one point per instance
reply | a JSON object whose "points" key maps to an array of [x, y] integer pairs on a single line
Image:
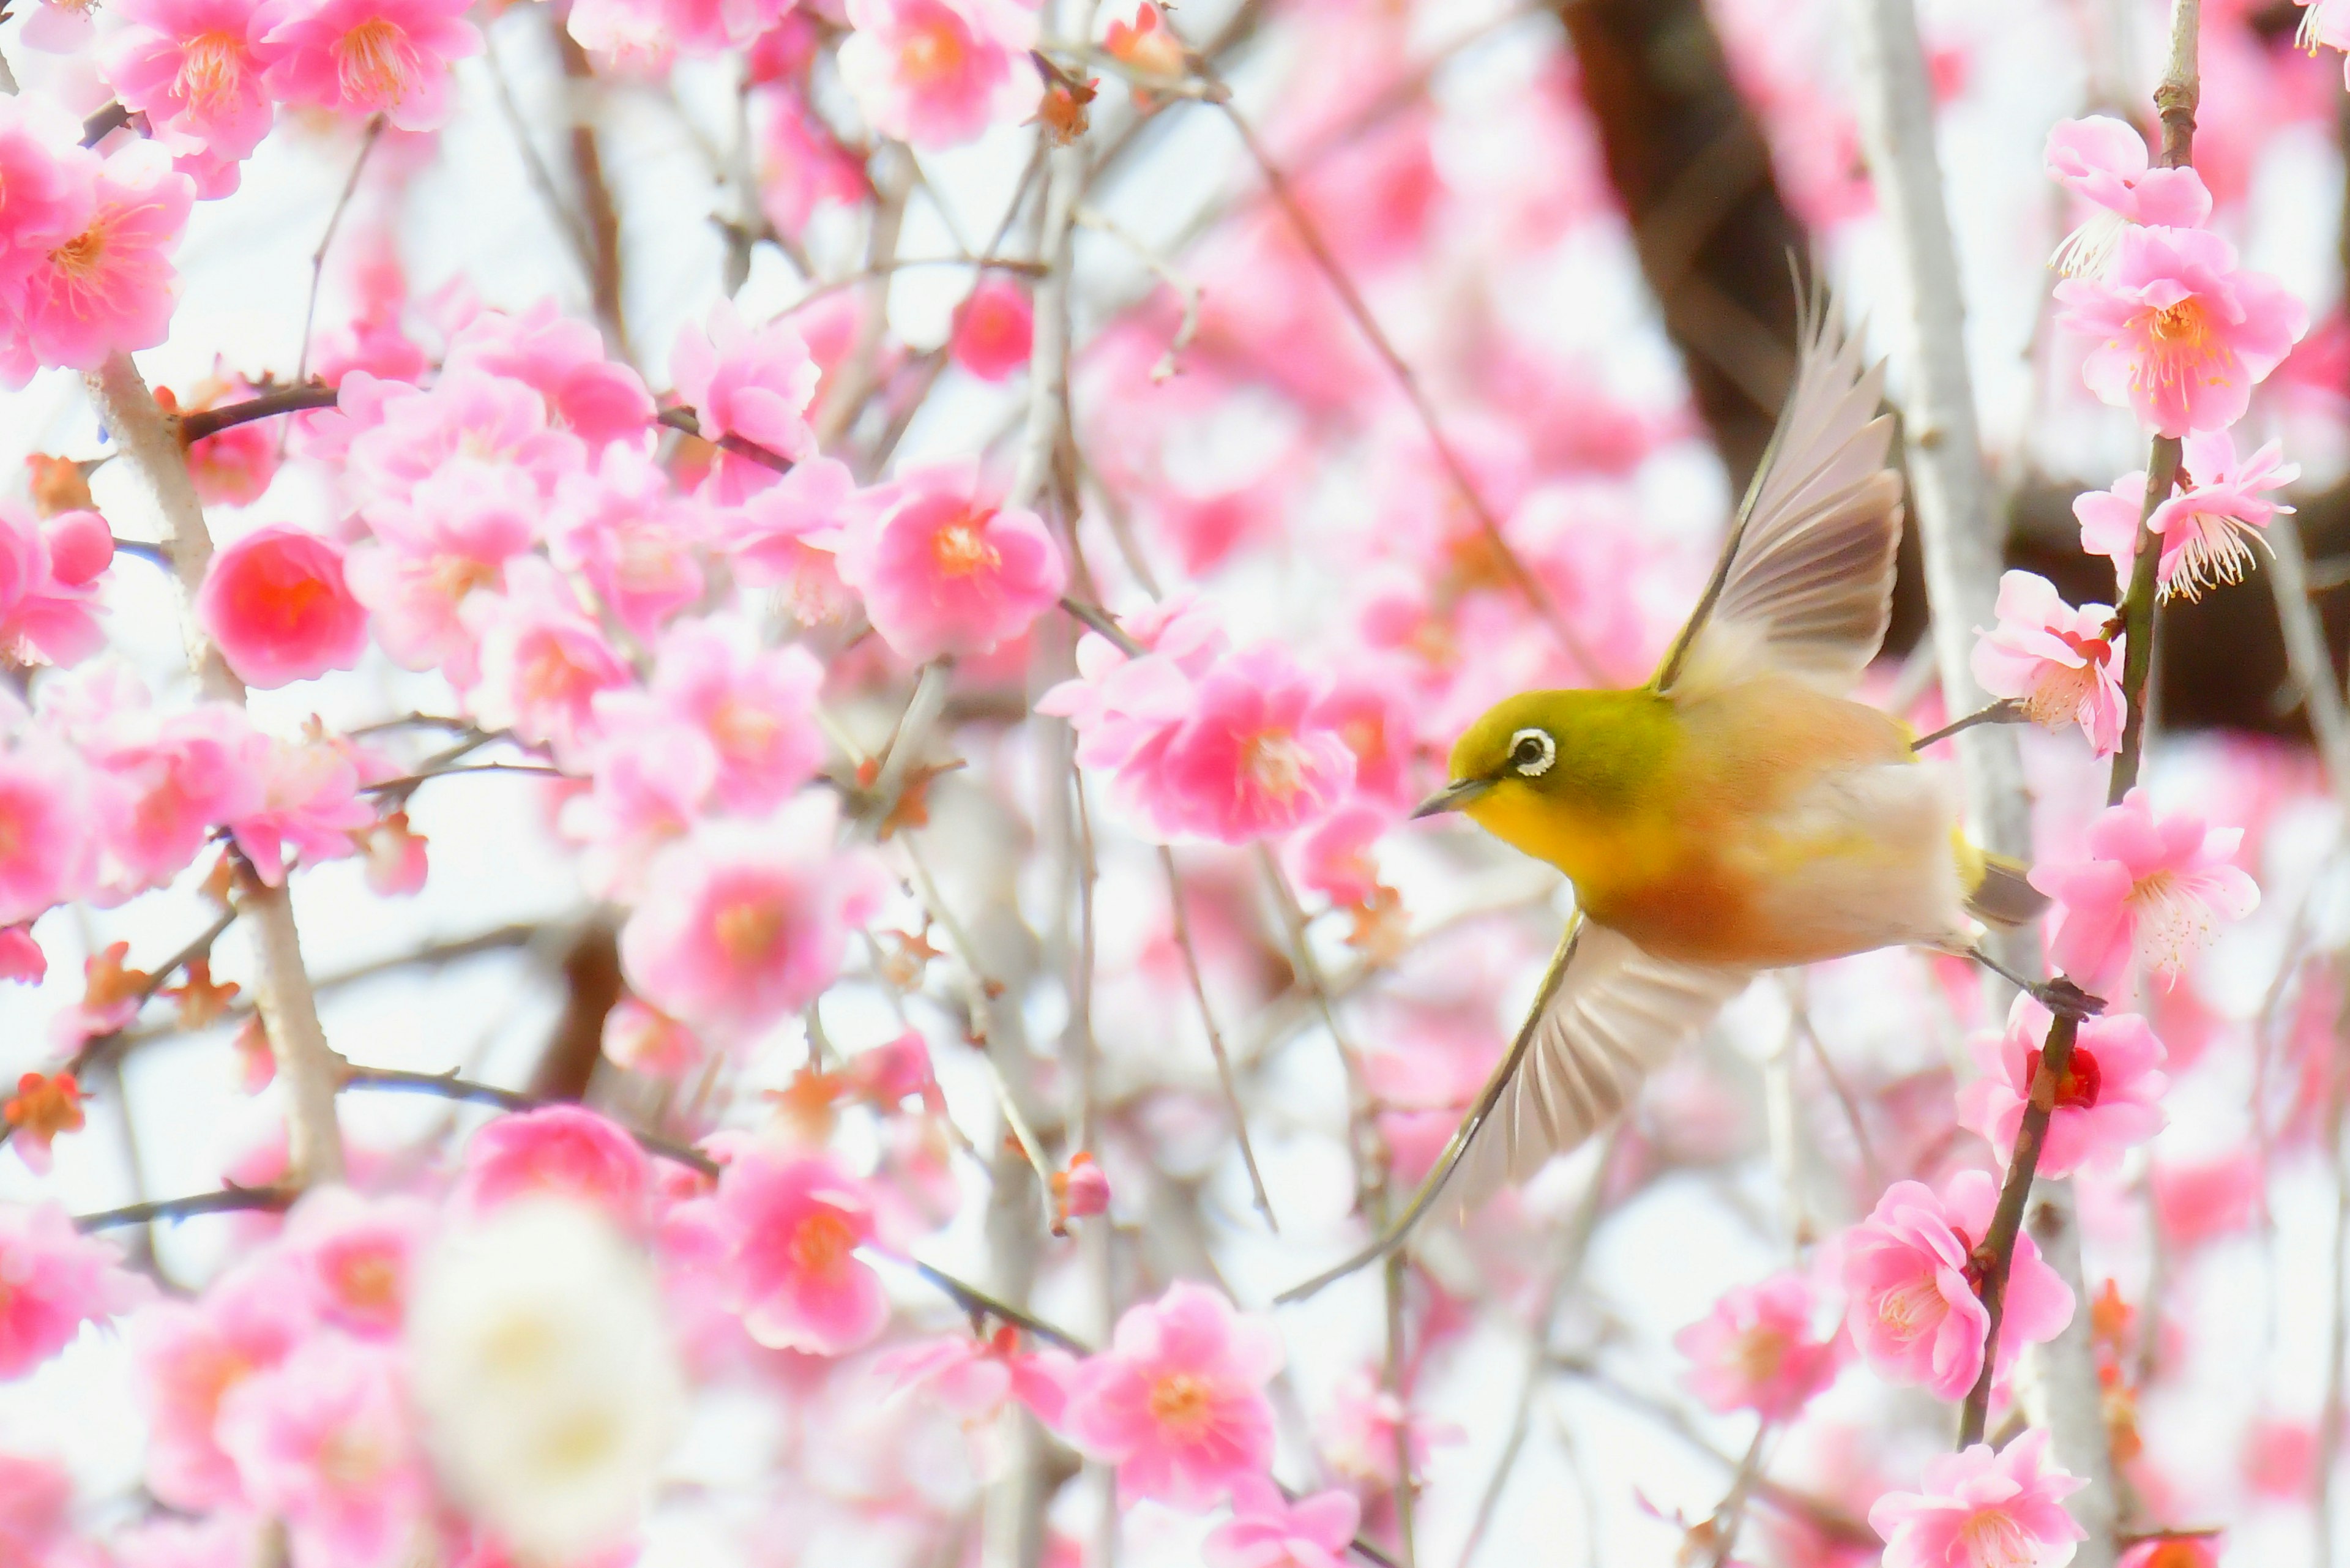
{"points": [[1542, 752]]}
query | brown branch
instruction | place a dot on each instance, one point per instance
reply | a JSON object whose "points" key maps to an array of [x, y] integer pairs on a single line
{"points": [[449, 1086], [684, 419], [603, 217], [272, 1198], [198, 423]]}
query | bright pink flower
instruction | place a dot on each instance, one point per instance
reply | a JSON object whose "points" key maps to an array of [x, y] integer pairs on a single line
{"points": [[47, 185], [434, 550], [994, 327], [756, 706], [54, 1279], [2107, 1102], [564, 1151], [2182, 334], [21, 958], [310, 803], [1268, 1531], [2058, 662], [1908, 1266], [1334, 857], [361, 58], [189, 1356], [943, 572], [47, 843], [755, 382], [642, 1040], [34, 1496], [1177, 1402], [802, 164], [1080, 1190], [543, 660], [635, 539], [1759, 1349], [108, 286], [1252, 760], [49, 592], [592, 396], [276, 603], [194, 68], [2148, 889], [739, 926], [2103, 161], [324, 1440], [784, 535], [166, 781], [357, 1256], [1983, 1510], [791, 1227], [938, 72]]}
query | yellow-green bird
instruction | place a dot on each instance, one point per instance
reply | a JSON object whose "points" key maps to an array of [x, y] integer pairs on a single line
{"points": [[1736, 814]]}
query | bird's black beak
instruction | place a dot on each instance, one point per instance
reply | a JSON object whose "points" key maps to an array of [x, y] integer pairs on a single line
{"points": [[1452, 797]]}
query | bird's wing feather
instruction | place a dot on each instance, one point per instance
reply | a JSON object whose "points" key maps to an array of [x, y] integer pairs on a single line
{"points": [[1805, 585]]}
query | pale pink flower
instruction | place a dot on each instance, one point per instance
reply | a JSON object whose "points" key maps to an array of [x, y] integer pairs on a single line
{"points": [[635, 539], [973, 1377], [398, 437], [47, 184], [645, 1040], [431, 553], [54, 1279], [108, 286], [739, 926], [755, 382], [627, 37], [21, 958], [397, 862], [1759, 1350], [2109, 520], [1982, 1509], [47, 842], [276, 604], [1177, 1402], [194, 68], [1333, 857], [653, 772], [2182, 334], [2209, 524], [802, 164], [2058, 662], [2103, 161], [49, 589], [944, 572], [936, 73], [2326, 22], [592, 396], [166, 781], [310, 803], [784, 537], [994, 328], [360, 57], [1268, 1531], [324, 1440], [1120, 705], [2197, 1200], [35, 1495], [564, 1151], [755, 705], [356, 1256], [191, 1354], [1909, 1270], [2148, 889], [1359, 1430], [2107, 1102], [791, 1227], [543, 660]]}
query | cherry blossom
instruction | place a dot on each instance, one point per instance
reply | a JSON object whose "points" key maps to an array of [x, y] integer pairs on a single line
{"points": [[543, 660], [1980, 1506], [1760, 1349], [791, 1228], [2148, 889], [392, 57], [357, 1256], [2063, 664], [938, 72], [944, 570], [1177, 1402]]}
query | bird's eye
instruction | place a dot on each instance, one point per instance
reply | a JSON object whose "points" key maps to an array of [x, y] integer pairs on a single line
{"points": [[1531, 751]]}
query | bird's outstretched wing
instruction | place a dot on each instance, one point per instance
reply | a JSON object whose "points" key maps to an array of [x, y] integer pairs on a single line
{"points": [[1606, 1013], [1805, 585]]}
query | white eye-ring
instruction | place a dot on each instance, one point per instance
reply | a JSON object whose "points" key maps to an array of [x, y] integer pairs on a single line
{"points": [[1531, 751]]}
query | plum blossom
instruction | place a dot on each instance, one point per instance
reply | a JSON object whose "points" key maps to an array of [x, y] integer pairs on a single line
{"points": [[49, 584], [2209, 524], [2103, 161], [944, 572], [54, 1279], [277, 605], [973, 1377], [1759, 1349], [558, 1151], [2148, 889], [543, 660], [2181, 333], [740, 926], [642, 1040], [189, 1356], [755, 382], [783, 537], [755, 707], [35, 1495], [324, 1440], [2107, 1101], [48, 189], [631, 536], [195, 68], [790, 1227], [936, 73], [398, 437], [431, 553], [1177, 1402], [359, 58], [47, 849], [1268, 1531], [1982, 1509], [310, 803], [108, 285], [2062, 664], [561, 357], [356, 1257], [21, 958], [1908, 1268], [993, 329]]}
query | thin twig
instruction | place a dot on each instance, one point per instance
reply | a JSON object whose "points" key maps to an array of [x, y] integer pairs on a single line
{"points": [[979, 1304], [273, 1198], [1215, 1037], [2007, 710], [198, 423], [449, 1086], [407, 782], [373, 134]]}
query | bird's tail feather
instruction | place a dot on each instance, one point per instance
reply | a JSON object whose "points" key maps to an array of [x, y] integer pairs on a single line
{"points": [[1999, 894]]}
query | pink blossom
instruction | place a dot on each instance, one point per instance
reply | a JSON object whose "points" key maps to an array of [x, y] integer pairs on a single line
{"points": [[2182, 334], [643, 1041], [2208, 525], [361, 58], [233, 468], [943, 572], [397, 864], [784, 537], [739, 926], [166, 781], [398, 437], [431, 553], [310, 803], [324, 1441], [627, 37], [756, 707], [936, 73], [2197, 1200], [993, 328], [1333, 857], [277, 607], [652, 772], [1910, 1269], [1253, 758], [189, 1356], [1268, 1531], [21, 958], [791, 1227], [1080, 1190], [1177, 1402], [755, 382], [2065, 665], [108, 286], [562, 358], [35, 1495], [2109, 520], [632, 537], [1361, 1429], [564, 1151], [1758, 1350], [802, 164], [49, 589], [2145, 889], [543, 660], [47, 848], [973, 1377], [2107, 1102], [2103, 161], [54, 1279], [194, 68], [47, 184], [1984, 1509], [357, 1256]]}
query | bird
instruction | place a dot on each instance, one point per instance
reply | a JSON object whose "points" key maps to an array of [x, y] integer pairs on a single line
{"points": [[1738, 811]]}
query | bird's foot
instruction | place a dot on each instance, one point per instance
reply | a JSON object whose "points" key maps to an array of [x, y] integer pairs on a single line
{"points": [[2059, 996]]}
